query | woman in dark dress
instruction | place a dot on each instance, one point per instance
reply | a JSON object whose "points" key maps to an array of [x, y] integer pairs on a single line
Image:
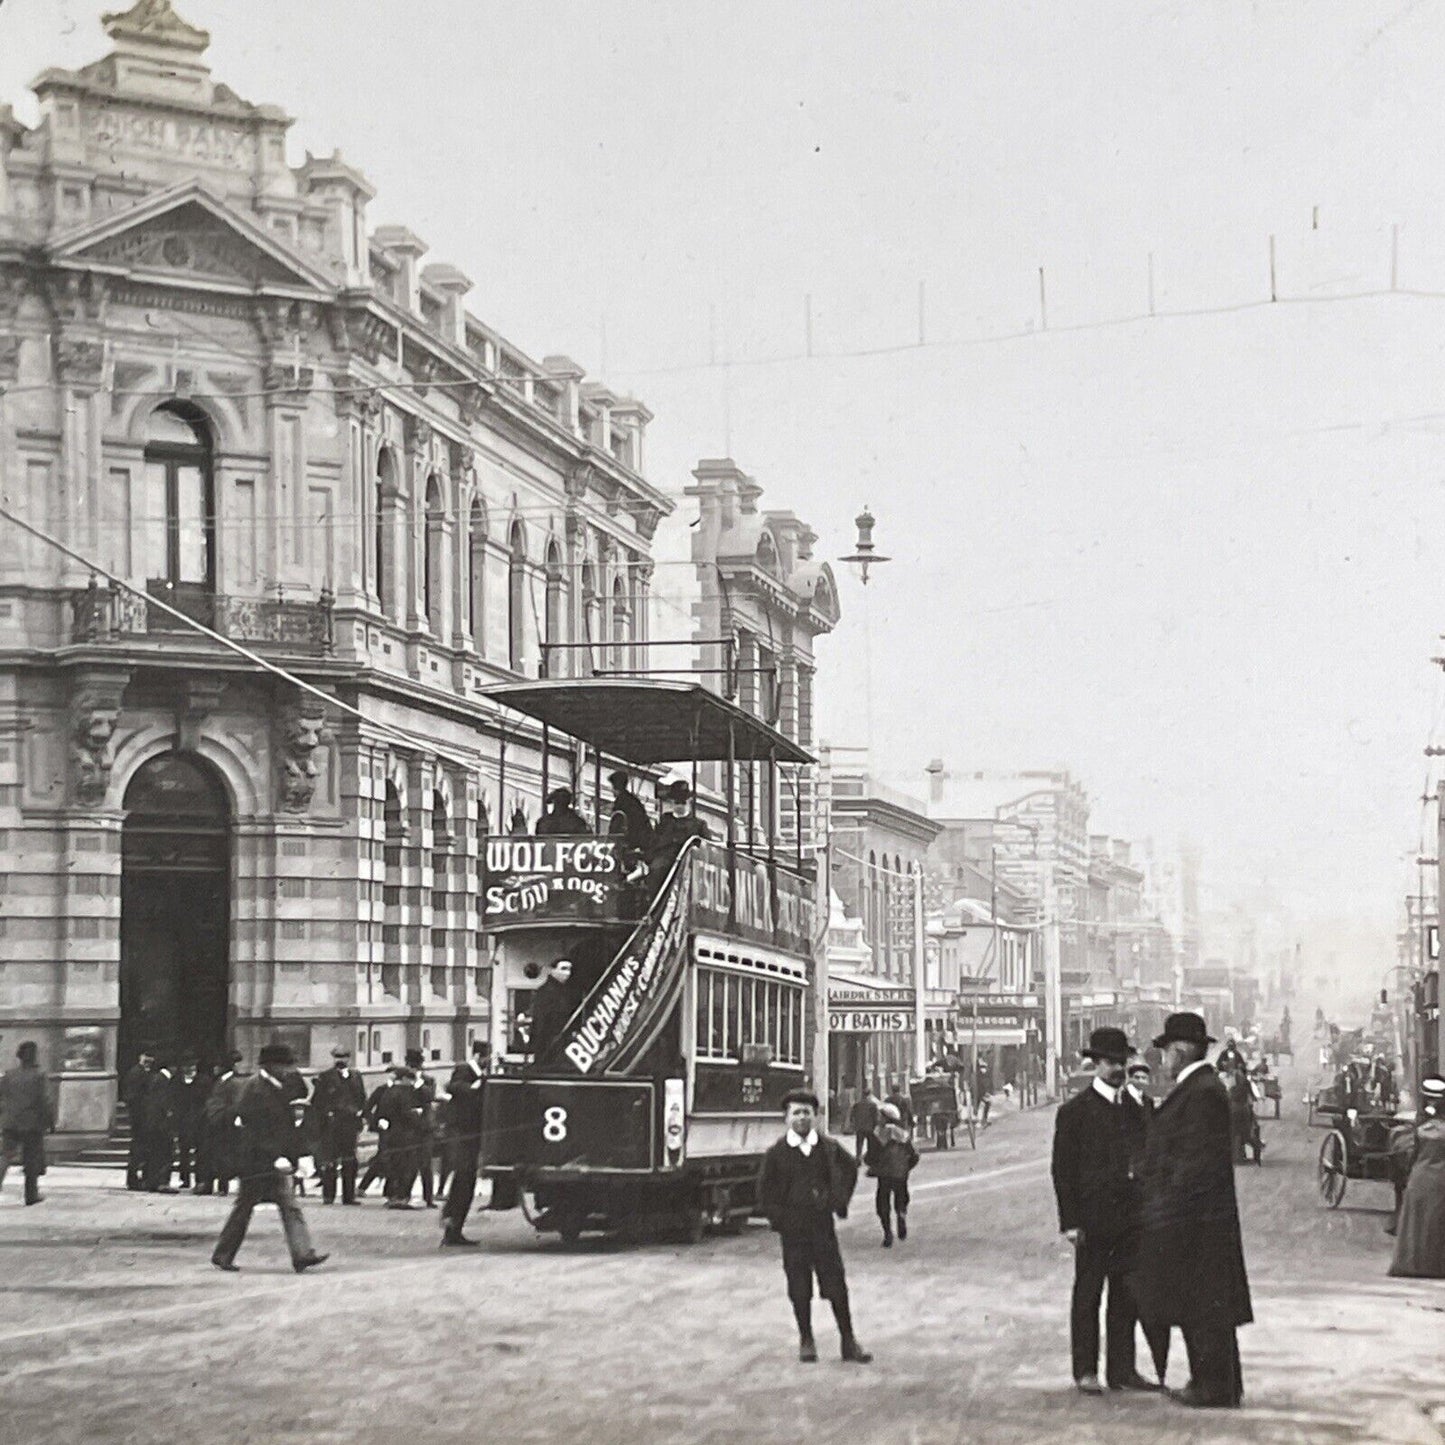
{"points": [[1420, 1240]]}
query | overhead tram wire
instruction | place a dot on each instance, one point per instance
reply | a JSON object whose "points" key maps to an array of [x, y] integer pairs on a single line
{"points": [[472, 764]]}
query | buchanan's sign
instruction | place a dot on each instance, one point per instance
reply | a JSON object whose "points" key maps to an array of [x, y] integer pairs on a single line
{"points": [[538, 880]]}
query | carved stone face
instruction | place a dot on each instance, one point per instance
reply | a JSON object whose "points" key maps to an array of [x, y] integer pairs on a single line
{"points": [[95, 723], [303, 734]]}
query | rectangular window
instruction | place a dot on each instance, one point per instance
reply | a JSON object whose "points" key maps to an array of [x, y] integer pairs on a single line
{"points": [[157, 556], [192, 552], [731, 1036]]}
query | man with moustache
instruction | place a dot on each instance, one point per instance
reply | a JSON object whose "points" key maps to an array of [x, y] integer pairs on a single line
{"points": [[1098, 1141], [1191, 1254]]}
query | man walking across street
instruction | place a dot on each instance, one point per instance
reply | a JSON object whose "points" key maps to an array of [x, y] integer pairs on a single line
{"points": [[267, 1163], [1191, 1254], [1098, 1144], [891, 1159], [806, 1179], [465, 1094], [26, 1117], [863, 1120], [338, 1100]]}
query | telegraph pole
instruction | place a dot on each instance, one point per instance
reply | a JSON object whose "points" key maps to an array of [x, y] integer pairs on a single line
{"points": [[920, 1026], [1053, 986]]}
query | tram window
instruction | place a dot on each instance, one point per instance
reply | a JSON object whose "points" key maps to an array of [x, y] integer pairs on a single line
{"points": [[704, 1009], [732, 1037], [797, 1040]]}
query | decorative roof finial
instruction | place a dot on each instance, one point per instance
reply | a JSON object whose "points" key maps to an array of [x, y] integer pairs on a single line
{"points": [[155, 23]]}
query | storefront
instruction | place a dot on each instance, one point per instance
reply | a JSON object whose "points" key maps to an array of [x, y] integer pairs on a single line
{"points": [[872, 1036], [1005, 1032]]}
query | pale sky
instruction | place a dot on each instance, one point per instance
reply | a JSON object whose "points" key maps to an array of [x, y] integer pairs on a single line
{"points": [[1194, 560]]}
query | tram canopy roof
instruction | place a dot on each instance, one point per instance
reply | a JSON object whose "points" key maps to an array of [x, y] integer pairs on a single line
{"points": [[648, 721]]}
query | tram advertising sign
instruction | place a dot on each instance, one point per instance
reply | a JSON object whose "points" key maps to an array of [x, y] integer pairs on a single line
{"points": [[748, 900], [545, 880]]}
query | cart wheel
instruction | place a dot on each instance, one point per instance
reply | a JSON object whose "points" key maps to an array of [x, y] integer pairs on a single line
{"points": [[1333, 1165]]}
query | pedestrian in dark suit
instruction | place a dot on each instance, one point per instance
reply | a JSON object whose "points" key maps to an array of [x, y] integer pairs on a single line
{"points": [[159, 1123], [806, 1179], [465, 1094], [189, 1092], [268, 1162], [1191, 1253], [863, 1121], [379, 1163], [399, 1106], [338, 1100], [133, 1091], [223, 1132], [26, 1117], [425, 1146], [1098, 1144]]}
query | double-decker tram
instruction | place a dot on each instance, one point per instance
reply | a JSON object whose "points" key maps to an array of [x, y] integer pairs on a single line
{"points": [[643, 1081]]}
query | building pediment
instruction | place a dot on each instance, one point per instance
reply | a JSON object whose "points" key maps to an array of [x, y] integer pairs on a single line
{"points": [[189, 236]]}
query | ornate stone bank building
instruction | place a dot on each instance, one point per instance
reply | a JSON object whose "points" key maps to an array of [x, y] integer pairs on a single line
{"points": [[219, 386]]}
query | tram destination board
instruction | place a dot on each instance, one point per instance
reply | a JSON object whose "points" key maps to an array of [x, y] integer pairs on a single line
{"points": [[597, 1124], [543, 880]]}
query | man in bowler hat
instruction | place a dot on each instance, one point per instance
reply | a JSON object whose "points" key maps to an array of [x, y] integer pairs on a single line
{"points": [[338, 1100], [1098, 1144], [1191, 1253], [268, 1135], [806, 1179]]}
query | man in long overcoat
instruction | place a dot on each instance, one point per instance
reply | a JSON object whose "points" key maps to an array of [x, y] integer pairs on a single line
{"points": [[223, 1132], [133, 1092], [26, 1117], [465, 1093], [338, 1100], [1191, 1254], [1098, 1145]]}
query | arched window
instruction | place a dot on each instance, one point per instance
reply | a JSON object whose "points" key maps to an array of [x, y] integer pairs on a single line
{"points": [[591, 616], [180, 530], [516, 598], [885, 917], [621, 625], [441, 885], [385, 552], [433, 545], [554, 662], [873, 902], [393, 836], [477, 568]]}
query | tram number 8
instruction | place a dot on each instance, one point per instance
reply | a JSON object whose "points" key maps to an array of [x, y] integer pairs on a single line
{"points": [[554, 1124]]}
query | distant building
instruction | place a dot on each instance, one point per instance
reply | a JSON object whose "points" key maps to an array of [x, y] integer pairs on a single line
{"points": [[880, 839], [762, 601]]}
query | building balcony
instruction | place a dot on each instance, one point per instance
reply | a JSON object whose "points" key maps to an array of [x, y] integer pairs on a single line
{"points": [[99, 615]]}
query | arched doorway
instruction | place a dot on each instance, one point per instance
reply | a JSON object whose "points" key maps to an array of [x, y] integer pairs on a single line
{"points": [[174, 910]]}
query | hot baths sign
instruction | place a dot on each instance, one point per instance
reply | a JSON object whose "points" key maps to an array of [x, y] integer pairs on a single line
{"points": [[539, 880]]}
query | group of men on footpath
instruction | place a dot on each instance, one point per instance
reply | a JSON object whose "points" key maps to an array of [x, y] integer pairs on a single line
{"points": [[1145, 1194]]}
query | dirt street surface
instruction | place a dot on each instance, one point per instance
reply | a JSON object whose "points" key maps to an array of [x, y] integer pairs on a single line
{"points": [[116, 1328]]}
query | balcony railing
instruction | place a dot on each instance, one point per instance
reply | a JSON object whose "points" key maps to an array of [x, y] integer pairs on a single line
{"points": [[101, 615]]}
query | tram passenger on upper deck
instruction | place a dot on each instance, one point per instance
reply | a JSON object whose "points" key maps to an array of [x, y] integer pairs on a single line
{"points": [[629, 819], [562, 820], [677, 824]]}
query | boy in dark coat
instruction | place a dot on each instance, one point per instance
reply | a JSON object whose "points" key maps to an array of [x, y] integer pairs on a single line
{"points": [[806, 1179], [1099, 1139], [1191, 1254], [268, 1161], [891, 1159]]}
